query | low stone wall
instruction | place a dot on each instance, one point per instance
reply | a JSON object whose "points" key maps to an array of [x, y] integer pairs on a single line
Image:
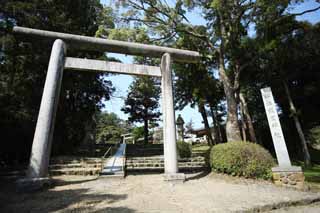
{"points": [[293, 179]]}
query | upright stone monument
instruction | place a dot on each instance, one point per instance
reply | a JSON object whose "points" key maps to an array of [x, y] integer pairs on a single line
{"points": [[285, 174], [180, 128]]}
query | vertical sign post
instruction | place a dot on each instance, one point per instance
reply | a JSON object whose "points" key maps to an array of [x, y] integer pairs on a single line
{"points": [[275, 128], [285, 174]]}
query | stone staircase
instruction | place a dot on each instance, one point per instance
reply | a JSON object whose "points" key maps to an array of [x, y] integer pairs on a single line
{"points": [[82, 162], [13, 172], [149, 158], [69, 165], [156, 164]]}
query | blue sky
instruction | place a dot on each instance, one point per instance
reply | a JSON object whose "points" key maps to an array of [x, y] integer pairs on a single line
{"points": [[122, 82]]}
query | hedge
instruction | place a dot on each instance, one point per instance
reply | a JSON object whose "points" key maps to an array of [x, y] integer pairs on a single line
{"points": [[242, 159], [184, 149]]}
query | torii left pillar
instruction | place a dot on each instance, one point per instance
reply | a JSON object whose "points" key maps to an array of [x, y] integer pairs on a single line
{"points": [[37, 174]]}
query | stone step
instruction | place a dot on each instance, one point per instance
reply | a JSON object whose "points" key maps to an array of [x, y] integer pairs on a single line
{"points": [[144, 165], [117, 175], [162, 167], [74, 162], [162, 160], [79, 163], [74, 165], [144, 168], [76, 171], [60, 160], [162, 164], [181, 168], [142, 159], [14, 174]]}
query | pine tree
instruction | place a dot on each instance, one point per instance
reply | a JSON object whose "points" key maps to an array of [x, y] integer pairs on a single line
{"points": [[142, 102]]}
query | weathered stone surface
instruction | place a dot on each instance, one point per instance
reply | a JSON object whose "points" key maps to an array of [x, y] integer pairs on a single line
{"points": [[289, 179], [287, 169], [114, 67], [41, 146], [169, 126], [176, 177], [275, 128], [92, 43]]}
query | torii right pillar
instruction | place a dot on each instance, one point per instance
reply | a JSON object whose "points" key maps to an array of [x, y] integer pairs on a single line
{"points": [[169, 126]]}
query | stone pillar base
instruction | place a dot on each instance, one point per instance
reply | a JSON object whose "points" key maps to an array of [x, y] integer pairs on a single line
{"points": [[289, 177], [33, 184], [176, 177]]}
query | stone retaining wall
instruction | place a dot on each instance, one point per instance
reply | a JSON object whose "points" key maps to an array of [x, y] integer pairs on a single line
{"points": [[289, 179]]}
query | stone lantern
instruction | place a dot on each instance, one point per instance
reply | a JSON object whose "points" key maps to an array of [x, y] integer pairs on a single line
{"points": [[180, 128]]}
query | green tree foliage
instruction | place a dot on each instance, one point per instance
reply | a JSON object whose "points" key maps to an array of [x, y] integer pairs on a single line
{"points": [[228, 24], [23, 68], [138, 132], [110, 128], [142, 102], [195, 83], [288, 63]]}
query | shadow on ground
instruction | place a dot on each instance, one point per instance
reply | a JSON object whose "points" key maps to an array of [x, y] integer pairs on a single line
{"points": [[52, 200], [199, 175], [59, 182]]}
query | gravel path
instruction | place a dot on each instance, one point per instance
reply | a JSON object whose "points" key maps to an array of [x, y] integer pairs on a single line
{"points": [[149, 193]]}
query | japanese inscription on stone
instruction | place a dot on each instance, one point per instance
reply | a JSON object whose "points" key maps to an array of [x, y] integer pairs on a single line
{"points": [[275, 128]]}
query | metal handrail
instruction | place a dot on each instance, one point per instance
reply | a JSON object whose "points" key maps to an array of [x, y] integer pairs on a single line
{"points": [[103, 157], [105, 154], [124, 158]]}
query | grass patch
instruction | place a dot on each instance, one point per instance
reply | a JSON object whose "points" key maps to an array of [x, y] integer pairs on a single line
{"points": [[311, 174]]}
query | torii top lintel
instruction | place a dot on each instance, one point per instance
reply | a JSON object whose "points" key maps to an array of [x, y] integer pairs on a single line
{"points": [[114, 46]]}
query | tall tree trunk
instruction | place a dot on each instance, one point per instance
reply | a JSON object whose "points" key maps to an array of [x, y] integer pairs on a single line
{"points": [[216, 125], [203, 113], [248, 119], [146, 131], [293, 110], [232, 125], [243, 123]]}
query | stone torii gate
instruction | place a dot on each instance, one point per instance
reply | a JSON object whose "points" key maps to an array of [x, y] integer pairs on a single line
{"points": [[41, 147]]}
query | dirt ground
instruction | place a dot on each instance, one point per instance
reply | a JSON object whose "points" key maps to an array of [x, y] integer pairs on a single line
{"points": [[149, 193]]}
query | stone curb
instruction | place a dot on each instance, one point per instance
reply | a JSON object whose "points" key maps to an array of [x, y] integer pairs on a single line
{"points": [[283, 204]]}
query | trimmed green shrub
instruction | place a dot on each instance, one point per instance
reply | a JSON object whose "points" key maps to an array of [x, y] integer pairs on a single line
{"points": [[242, 159], [314, 135], [184, 149]]}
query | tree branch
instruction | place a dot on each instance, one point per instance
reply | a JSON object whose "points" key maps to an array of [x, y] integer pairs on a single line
{"points": [[305, 12]]}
